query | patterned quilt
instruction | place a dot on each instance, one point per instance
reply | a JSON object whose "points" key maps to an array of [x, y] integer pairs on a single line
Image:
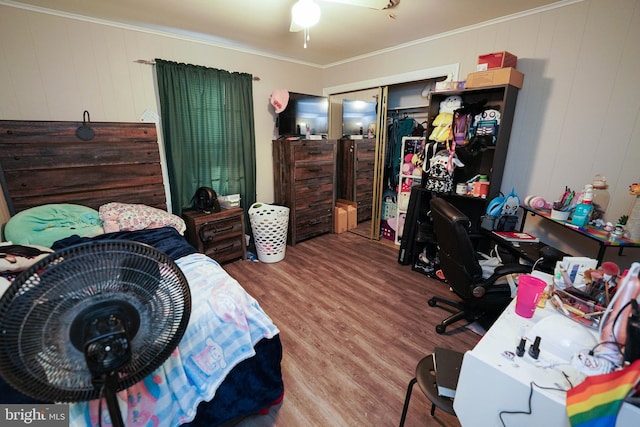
{"points": [[225, 324]]}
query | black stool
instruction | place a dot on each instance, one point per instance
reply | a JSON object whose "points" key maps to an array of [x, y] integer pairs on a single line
{"points": [[426, 379]]}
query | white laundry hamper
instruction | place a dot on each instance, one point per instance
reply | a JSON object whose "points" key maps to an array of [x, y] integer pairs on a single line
{"points": [[269, 224]]}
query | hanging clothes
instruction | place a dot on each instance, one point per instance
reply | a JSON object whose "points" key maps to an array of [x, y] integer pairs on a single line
{"points": [[403, 127]]}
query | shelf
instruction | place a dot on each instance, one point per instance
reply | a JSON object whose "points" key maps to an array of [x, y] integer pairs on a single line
{"points": [[414, 107]]}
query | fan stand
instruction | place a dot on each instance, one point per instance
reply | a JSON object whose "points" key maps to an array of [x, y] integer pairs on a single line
{"points": [[110, 384], [104, 331]]}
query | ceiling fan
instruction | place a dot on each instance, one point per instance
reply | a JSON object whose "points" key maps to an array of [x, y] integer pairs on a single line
{"points": [[306, 13]]}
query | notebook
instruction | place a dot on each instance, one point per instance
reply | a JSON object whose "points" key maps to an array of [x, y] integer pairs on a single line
{"points": [[516, 236], [447, 364]]}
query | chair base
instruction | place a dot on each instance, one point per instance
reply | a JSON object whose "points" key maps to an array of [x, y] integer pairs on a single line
{"points": [[462, 313], [426, 379]]}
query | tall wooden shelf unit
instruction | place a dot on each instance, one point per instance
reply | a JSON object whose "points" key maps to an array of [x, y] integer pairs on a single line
{"points": [[489, 161], [356, 161], [304, 181]]}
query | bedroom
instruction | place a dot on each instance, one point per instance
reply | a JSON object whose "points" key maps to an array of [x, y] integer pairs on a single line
{"points": [[566, 53], [570, 55]]}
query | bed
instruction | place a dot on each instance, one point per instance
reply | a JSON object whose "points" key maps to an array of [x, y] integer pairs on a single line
{"points": [[227, 365]]}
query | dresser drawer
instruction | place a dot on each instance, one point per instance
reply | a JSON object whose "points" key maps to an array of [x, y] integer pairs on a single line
{"points": [[311, 226], [219, 229], [304, 171], [314, 151], [225, 250], [316, 186], [367, 152]]}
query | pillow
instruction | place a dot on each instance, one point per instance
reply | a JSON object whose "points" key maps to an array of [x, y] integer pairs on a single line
{"points": [[43, 225], [14, 258], [130, 217]]}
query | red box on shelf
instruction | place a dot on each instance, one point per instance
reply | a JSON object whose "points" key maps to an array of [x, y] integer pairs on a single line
{"points": [[497, 60]]}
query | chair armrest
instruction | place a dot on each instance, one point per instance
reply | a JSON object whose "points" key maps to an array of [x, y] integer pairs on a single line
{"points": [[480, 287], [505, 270]]}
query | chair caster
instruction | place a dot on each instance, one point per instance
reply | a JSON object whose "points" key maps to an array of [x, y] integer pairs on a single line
{"points": [[440, 329], [432, 302]]}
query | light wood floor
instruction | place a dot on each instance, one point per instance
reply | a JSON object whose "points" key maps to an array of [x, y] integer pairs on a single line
{"points": [[353, 325]]}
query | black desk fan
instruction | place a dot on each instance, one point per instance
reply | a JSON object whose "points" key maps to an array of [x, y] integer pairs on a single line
{"points": [[91, 320]]}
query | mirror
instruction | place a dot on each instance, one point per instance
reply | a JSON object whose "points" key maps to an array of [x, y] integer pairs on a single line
{"points": [[354, 122], [371, 185]]}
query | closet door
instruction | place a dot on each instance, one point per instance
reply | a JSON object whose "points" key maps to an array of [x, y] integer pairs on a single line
{"points": [[378, 173]]}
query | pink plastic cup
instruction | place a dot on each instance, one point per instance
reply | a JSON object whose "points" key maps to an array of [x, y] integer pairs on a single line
{"points": [[530, 290]]}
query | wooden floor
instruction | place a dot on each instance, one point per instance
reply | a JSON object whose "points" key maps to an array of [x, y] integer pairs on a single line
{"points": [[353, 324]]}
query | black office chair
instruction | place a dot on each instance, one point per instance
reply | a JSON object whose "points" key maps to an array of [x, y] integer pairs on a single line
{"points": [[481, 299]]}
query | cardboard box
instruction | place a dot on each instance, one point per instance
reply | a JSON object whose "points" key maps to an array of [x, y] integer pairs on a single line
{"points": [[445, 85], [351, 208], [339, 220], [495, 77], [502, 59]]}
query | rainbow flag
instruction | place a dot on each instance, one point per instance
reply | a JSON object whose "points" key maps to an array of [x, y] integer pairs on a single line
{"points": [[595, 402]]}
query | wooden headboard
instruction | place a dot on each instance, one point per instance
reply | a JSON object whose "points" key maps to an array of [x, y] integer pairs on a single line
{"points": [[45, 162]]}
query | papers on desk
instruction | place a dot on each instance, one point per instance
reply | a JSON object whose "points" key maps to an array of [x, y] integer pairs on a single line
{"points": [[447, 364], [516, 236], [570, 271]]}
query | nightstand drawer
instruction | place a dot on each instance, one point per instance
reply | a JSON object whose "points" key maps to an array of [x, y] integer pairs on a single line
{"points": [[215, 230], [225, 250]]}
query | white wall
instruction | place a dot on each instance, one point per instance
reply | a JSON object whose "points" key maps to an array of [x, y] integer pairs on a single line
{"points": [[578, 113], [55, 67]]}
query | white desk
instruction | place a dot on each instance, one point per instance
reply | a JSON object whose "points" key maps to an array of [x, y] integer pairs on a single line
{"points": [[490, 383]]}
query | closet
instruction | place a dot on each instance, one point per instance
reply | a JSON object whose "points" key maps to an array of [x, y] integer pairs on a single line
{"points": [[402, 111]]}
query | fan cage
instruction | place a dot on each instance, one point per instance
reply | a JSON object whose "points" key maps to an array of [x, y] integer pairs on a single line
{"points": [[37, 356]]}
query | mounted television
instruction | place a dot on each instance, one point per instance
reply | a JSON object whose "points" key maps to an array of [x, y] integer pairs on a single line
{"points": [[302, 111], [358, 117]]}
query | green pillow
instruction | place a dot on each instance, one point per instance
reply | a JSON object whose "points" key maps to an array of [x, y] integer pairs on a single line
{"points": [[43, 225]]}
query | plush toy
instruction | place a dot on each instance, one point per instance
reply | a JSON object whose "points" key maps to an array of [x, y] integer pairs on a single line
{"points": [[511, 204], [484, 130], [442, 123], [450, 104], [504, 205]]}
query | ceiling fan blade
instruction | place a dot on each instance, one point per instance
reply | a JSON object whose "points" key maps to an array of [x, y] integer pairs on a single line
{"points": [[371, 4]]}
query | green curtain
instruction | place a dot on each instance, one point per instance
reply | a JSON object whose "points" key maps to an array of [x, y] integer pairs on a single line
{"points": [[208, 130]]}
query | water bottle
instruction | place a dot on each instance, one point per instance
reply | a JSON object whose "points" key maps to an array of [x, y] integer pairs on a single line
{"points": [[583, 210]]}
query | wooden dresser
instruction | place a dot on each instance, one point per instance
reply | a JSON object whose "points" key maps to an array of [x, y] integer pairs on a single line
{"points": [[304, 181], [219, 235], [356, 159]]}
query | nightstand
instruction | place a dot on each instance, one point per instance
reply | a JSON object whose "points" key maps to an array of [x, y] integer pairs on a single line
{"points": [[219, 235]]}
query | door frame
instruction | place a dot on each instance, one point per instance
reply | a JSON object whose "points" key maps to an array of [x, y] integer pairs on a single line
{"points": [[449, 70]]}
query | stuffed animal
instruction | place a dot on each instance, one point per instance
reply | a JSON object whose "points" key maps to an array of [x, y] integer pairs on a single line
{"points": [[484, 130], [504, 205], [511, 204], [442, 123]]}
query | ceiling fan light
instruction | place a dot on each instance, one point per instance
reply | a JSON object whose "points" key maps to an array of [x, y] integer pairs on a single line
{"points": [[305, 13]]}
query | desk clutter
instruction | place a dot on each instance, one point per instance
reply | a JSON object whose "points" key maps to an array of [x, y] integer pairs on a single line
{"points": [[552, 369], [603, 299], [588, 209]]}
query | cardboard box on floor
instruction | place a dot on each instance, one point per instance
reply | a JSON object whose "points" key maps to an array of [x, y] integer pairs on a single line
{"points": [[352, 212], [339, 220]]}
